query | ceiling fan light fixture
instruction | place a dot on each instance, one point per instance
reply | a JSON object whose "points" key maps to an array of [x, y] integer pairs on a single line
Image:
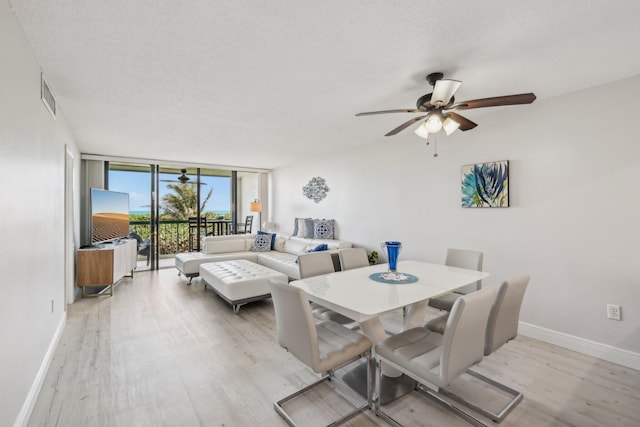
{"points": [[433, 123], [422, 131], [450, 126]]}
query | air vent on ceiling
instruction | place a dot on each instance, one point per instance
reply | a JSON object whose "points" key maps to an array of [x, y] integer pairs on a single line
{"points": [[47, 97]]}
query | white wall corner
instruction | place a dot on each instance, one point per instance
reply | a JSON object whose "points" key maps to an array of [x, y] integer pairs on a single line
{"points": [[606, 352], [27, 407]]}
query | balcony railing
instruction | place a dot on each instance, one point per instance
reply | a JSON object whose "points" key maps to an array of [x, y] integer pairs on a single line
{"points": [[176, 236]]}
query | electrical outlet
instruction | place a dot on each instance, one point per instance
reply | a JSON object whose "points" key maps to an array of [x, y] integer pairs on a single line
{"points": [[613, 311]]}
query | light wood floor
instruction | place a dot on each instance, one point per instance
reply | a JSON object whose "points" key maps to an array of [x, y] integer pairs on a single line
{"points": [[161, 353]]}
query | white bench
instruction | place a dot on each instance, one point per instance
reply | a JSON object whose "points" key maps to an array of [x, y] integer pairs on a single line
{"points": [[239, 281]]}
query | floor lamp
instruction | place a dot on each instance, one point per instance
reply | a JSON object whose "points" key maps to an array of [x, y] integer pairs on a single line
{"points": [[256, 206]]}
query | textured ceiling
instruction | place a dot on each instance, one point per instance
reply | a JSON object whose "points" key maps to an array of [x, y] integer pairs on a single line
{"points": [[265, 83]]}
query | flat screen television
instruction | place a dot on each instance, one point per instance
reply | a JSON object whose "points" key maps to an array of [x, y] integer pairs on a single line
{"points": [[109, 215]]}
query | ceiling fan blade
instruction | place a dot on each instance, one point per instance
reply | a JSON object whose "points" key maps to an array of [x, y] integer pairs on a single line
{"points": [[413, 110], [443, 91], [465, 124], [175, 181], [405, 125], [522, 98]]}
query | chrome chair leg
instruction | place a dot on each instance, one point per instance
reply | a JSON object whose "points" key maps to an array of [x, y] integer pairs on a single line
{"points": [[500, 415], [278, 406]]}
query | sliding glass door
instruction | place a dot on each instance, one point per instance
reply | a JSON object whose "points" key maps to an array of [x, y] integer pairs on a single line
{"points": [[136, 180], [173, 208]]}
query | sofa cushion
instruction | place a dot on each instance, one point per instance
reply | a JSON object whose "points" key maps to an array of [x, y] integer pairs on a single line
{"points": [[280, 261], [278, 244], [295, 246], [331, 243], [323, 228]]}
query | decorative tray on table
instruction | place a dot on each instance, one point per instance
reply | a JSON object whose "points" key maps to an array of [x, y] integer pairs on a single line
{"points": [[393, 278]]}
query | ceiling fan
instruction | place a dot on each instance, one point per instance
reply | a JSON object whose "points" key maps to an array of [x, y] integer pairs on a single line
{"points": [[440, 108], [183, 179]]}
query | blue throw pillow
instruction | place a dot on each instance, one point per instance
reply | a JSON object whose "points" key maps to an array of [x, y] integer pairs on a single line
{"points": [[273, 237], [321, 247]]}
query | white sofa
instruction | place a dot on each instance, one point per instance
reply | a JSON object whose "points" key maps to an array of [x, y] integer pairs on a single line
{"points": [[239, 246]]}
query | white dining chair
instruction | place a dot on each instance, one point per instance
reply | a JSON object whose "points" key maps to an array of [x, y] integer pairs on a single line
{"points": [[315, 264], [323, 347], [353, 258], [502, 327], [462, 258], [434, 360]]}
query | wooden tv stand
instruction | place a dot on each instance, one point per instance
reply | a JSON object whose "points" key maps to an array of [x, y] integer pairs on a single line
{"points": [[106, 264]]}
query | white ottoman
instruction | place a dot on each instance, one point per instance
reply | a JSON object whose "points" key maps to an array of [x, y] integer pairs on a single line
{"points": [[240, 281], [189, 263]]}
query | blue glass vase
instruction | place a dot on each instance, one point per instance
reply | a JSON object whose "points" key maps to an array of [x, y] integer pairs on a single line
{"points": [[393, 250]]}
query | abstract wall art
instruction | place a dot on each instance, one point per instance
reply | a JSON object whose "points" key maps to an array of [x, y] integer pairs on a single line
{"points": [[316, 189], [486, 185]]}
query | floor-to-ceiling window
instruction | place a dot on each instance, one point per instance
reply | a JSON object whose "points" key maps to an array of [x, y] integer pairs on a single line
{"points": [[190, 204], [136, 179]]}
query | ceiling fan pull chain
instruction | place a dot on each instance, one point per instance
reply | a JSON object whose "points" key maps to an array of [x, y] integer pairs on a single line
{"points": [[435, 146]]}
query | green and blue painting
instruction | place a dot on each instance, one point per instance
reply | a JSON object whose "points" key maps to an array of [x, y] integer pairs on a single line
{"points": [[486, 185]]}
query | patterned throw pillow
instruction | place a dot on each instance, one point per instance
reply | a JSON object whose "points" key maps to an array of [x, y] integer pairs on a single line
{"points": [[272, 235], [262, 243], [323, 228]]}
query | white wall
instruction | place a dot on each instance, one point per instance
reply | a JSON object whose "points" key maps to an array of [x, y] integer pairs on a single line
{"points": [[32, 158], [573, 220], [248, 191]]}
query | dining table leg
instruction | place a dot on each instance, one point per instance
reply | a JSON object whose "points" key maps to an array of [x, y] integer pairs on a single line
{"points": [[394, 384]]}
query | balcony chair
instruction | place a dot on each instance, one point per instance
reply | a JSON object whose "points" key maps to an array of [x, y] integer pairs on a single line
{"points": [[353, 258], [434, 360], [461, 258], [144, 246], [324, 347], [315, 264], [245, 228], [194, 243], [502, 327]]}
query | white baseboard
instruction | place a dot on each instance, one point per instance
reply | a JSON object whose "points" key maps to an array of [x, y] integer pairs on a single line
{"points": [[606, 352], [32, 396]]}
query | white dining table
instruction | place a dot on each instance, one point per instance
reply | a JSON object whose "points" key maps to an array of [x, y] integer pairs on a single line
{"points": [[354, 294]]}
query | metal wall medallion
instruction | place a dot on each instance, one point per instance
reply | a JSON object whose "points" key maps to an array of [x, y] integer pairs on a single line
{"points": [[316, 189]]}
